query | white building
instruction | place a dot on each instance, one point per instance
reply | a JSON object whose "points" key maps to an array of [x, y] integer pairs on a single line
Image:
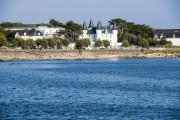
{"points": [[93, 33], [48, 32], [29, 34], [35, 33], [172, 35]]}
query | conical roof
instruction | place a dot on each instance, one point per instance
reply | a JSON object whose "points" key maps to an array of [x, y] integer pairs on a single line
{"points": [[84, 26], [99, 25], [114, 26], [91, 24]]}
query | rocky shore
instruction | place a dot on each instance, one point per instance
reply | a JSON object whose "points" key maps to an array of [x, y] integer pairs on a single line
{"points": [[83, 54]]}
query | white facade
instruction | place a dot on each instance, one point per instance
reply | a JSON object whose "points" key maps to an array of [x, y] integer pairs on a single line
{"points": [[48, 32], [31, 37], [29, 34], [35, 33], [175, 41], [26, 37], [172, 35], [100, 33]]}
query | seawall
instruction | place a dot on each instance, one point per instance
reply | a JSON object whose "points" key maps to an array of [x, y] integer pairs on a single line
{"points": [[67, 54]]}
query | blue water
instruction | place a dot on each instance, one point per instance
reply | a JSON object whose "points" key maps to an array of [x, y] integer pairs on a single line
{"points": [[146, 89]]}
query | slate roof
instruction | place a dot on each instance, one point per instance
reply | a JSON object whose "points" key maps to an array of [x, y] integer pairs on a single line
{"points": [[31, 32], [168, 33], [91, 24], [92, 30], [99, 25], [84, 26]]}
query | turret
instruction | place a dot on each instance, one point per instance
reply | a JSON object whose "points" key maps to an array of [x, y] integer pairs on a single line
{"points": [[114, 26], [84, 31], [114, 29], [115, 35], [91, 24], [99, 25], [84, 26], [99, 30]]}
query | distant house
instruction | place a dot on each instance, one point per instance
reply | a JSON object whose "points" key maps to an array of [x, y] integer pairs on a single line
{"points": [[49, 32], [99, 32], [172, 35], [29, 34]]}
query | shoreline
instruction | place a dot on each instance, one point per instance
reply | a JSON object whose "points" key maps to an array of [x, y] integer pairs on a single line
{"points": [[15, 55], [73, 59], [110, 59]]}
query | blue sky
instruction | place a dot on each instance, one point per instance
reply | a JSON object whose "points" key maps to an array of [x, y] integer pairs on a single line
{"points": [[157, 13]]}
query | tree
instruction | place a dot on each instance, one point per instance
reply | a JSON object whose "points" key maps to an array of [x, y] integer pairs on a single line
{"points": [[163, 41], [65, 42], [106, 43], [3, 41], [125, 43], [82, 43], [132, 39], [72, 31], [98, 43], [59, 44], [10, 35], [51, 43], [38, 43], [86, 42], [44, 43], [120, 23], [11, 24], [79, 44], [131, 28], [144, 43], [152, 41], [168, 45], [19, 42], [30, 44], [55, 23], [139, 38]]}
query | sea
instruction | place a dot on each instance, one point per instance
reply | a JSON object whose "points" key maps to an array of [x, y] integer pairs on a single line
{"points": [[114, 89]]}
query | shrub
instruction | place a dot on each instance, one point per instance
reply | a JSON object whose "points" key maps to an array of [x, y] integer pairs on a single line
{"points": [[106, 43], [3, 41], [98, 43], [125, 43], [86, 42], [79, 44], [65, 42]]}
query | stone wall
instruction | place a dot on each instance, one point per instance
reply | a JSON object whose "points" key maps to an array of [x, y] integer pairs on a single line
{"points": [[67, 54]]}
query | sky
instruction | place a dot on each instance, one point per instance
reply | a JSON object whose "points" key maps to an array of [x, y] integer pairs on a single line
{"points": [[156, 13]]}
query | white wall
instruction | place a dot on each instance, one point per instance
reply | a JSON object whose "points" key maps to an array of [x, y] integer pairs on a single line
{"points": [[112, 37], [48, 32], [28, 37], [175, 41], [31, 37]]}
